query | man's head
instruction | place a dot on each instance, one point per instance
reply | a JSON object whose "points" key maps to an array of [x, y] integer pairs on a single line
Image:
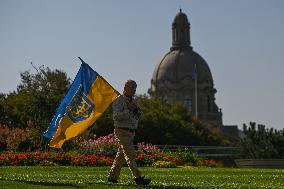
{"points": [[130, 88]]}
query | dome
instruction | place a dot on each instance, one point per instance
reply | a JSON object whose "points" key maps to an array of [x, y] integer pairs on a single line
{"points": [[177, 68]]}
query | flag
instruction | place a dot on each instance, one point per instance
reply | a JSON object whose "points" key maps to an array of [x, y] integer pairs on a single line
{"points": [[88, 97]]}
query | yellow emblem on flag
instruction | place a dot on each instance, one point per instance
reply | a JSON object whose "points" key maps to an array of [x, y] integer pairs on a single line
{"points": [[80, 107]]}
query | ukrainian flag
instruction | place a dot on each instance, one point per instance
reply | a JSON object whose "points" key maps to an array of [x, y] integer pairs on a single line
{"points": [[88, 97]]}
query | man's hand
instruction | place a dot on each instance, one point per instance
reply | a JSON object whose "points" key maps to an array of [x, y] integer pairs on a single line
{"points": [[131, 106]]}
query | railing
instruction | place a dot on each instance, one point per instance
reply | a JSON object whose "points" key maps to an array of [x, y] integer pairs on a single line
{"points": [[260, 163]]}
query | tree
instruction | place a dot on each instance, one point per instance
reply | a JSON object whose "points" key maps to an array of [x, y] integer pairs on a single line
{"points": [[164, 123], [260, 142], [35, 99]]}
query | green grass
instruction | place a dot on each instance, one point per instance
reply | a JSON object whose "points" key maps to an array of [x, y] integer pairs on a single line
{"points": [[95, 177]]}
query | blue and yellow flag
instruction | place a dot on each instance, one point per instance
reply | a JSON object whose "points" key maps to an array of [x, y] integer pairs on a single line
{"points": [[88, 97]]}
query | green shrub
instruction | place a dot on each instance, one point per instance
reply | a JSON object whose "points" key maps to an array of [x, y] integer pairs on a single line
{"points": [[261, 142], [186, 156]]}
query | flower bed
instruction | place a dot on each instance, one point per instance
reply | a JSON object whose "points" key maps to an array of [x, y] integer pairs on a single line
{"points": [[48, 158], [160, 159], [150, 155], [104, 145], [101, 152]]}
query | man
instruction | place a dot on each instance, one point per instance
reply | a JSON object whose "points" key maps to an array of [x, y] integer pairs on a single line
{"points": [[126, 113]]}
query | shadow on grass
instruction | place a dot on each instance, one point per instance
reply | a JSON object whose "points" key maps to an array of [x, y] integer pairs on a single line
{"points": [[43, 183], [170, 187], [153, 186]]}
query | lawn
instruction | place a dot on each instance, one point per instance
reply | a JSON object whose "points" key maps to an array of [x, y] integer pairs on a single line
{"points": [[95, 177]]}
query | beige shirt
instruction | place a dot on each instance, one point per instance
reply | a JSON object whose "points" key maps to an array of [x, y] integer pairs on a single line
{"points": [[122, 117]]}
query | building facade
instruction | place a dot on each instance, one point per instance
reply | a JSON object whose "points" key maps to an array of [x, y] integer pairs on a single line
{"points": [[183, 75]]}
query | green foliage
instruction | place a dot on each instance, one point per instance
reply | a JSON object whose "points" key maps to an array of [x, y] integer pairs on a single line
{"points": [[170, 123], [35, 99], [261, 142], [31, 107], [186, 156], [104, 125], [164, 123]]}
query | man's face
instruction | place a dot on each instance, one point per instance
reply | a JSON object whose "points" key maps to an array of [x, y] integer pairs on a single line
{"points": [[130, 89]]}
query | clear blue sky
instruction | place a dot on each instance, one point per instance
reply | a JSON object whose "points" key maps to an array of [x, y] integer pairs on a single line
{"points": [[242, 42]]}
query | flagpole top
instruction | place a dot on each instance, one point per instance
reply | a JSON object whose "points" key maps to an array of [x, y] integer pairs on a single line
{"points": [[81, 60]]}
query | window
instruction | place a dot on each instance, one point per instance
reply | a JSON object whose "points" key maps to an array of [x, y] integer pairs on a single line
{"points": [[188, 103]]}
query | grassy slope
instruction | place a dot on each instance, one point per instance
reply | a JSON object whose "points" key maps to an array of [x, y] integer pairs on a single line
{"points": [[95, 177]]}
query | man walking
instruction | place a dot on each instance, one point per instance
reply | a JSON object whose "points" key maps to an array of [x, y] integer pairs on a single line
{"points": [[126, 113]]}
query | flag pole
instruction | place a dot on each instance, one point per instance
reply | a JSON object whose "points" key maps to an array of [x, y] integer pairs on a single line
{"points": [[196, 111]]}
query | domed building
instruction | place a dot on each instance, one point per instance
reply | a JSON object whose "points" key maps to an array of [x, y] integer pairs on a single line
{"points": [[183, 75]]}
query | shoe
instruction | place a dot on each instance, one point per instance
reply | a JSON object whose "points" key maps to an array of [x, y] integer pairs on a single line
{"points": [[112, 180], [142, 181]]}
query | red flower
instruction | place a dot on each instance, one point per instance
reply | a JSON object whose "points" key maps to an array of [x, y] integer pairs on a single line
{"points": [[140, 157]]}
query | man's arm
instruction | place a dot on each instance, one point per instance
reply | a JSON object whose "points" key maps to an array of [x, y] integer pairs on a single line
{"points": [[138, 113]]}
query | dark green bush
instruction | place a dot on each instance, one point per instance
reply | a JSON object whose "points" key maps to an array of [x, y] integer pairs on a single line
{"points": [[261, 142]]}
